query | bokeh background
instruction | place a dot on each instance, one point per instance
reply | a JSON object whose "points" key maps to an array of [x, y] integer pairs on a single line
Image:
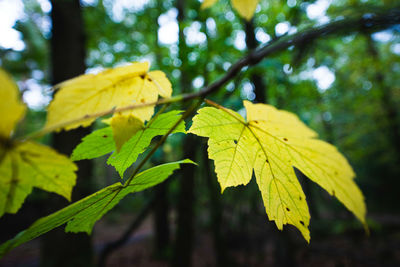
{"points": [[345, 86]]}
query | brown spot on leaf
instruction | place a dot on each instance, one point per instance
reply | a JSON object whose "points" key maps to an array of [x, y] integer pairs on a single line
{"points": [[142, 100], [266, 161], [105, 136], [333, 192], [285, 139], [287, 209], [300, 198]]}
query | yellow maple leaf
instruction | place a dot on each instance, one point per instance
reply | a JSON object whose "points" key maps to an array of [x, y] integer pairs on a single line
{"points": [[245, 8], [11, 107], [89, 94], [271, 142]]}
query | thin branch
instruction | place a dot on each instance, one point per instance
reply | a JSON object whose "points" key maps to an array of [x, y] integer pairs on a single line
{"points": [[187, 113], [375, 20]]}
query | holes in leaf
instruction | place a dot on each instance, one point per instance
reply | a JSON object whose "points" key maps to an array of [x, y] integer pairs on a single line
{"points": [[235, 141], [287, 209], [302, 223], [300, 198], [266, 161]]}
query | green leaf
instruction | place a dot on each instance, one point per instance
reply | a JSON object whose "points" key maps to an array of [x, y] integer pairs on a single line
{"points": [[26, 165], [82, 215], [141, 140], [271, 142], [94, 145]]}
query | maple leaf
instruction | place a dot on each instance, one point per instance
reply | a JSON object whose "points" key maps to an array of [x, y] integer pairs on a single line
{"points": [[90, 94], [24, 165], [245, 8], [271, 142], [83, 214]]}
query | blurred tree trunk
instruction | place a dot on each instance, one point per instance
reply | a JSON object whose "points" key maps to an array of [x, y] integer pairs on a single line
{"points": [[386, 97], [260, 89], [68, 60], [216, 212], [161, 206], [182, 255]]}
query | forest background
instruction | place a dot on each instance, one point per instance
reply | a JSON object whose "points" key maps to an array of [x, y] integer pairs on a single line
{"points": [[345, 86]]}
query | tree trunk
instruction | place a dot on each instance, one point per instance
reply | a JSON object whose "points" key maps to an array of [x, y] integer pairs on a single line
{"points": [[386, 97], [182, 256], [216, 212], [257, 80], [162, 206], [68, 60]]}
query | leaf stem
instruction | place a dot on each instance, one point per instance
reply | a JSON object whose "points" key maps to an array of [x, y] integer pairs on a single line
{"points": [[187, 113], [227, 110]]}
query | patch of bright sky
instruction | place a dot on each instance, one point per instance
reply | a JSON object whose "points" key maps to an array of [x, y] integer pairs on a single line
{"points": [[168, 32], [291, 3], [211, 27], [396, 48], [193, 35], [248, 91], [45, 5], [322, 75], [88, 2], [281, 28], [317, 11], [383, 36], [240, 40], [119, 8], [198, 82], [34, 96], [10, 12], [262, 36]]}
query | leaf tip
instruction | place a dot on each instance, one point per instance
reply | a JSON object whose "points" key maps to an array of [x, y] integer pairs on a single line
{"points": [[189, 161]]}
